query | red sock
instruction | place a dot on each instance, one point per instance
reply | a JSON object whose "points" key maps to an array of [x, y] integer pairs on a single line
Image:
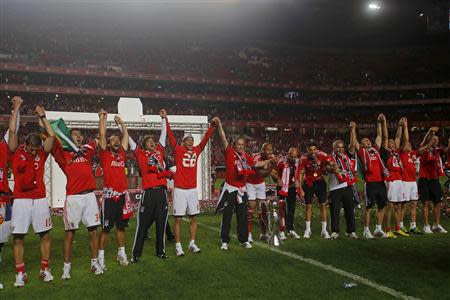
{"points": [[44, 264], [20, 267], [250, 213], [388, 228], [397, 227], [282, 212]]}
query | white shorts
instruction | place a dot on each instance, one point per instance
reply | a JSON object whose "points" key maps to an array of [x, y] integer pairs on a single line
{"points": [[395, 191], [256, 191], [30, 211], [5, 222], [185, 202], [82, 208], [410, 190]]}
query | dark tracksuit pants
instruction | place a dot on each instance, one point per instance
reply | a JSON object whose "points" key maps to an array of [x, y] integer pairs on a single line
{"points": [[241, 214], [152, 208], [291, 201], [342, 198]]}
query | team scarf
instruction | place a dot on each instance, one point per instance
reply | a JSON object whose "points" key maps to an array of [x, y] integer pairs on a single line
{"points": [[366, 160], [286, 175], [243, 168], [344, 164], [127, 211], [434, 154], [396, 161]]}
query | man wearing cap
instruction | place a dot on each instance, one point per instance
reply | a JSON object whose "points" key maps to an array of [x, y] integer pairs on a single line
{"points": [[185, 197]]}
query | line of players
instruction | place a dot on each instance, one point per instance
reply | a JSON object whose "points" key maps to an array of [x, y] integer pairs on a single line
{"points": [[388, 166]]}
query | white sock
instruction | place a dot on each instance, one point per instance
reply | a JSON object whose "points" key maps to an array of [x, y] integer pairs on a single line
{"points": [[178, 245], [412, 225], [67, 265], [308, 225], [191, 242], [324, 226], [401, 225], [121, 251], [101, 253], [378, 227], [366, 229], [93, 261]]}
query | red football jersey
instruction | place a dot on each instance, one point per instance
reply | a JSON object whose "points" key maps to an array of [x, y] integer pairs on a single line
{"points": [[372, 165], [394, 166], [409, 165], [28, 173], [232, 175], [113, 165], [256, 178], [314, 168], [293, 168], [4, 156], [431, 164], [186, 160], [78, 170], [151, 164]]}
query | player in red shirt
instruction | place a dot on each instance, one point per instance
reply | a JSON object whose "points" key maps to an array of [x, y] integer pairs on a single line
{"points": [[30, 203], [153, 204], [256, 190], [7, 146], [394, 182], [239, 166], [286, 174], [185, 199], [431, 168], [374, 172], [312, 167], [81, 203], [116, 206], [409, 158]]}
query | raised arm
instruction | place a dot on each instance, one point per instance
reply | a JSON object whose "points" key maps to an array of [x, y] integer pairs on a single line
{"points": [[102, 129], [398, 134], [405, 135], [124, 130], [429, 141], [172, 139], [208, 133], [48, 143], [13, 122], [379, 137], [431, 132], [384, 132], [163, 135], [222, 135], [354, 145]]}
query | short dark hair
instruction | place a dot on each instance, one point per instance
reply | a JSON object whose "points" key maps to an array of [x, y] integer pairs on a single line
{"points": [[311, 144], [33, 139], [145, 139]]}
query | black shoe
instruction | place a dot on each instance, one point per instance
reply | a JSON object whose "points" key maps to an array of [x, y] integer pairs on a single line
{"points": [[162, 256], [135, 259]]}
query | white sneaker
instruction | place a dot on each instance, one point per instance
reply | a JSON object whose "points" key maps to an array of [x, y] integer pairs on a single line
{"points": [[194, 248], [334, 235], [282, 236], [307, 234], [352, 235], [66, 272], [325, 235], [179, 251], [250, 238], [247, 245], [368, 235], [224, 246], [380, 233], [1, 286], [96, 269], [293, 234], [263, 237], [122, 259], [439, 229], [21, 279], [101, 262], [46, 275], [427, 229]]}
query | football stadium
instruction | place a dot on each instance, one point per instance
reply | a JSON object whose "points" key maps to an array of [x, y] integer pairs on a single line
{"points": [[223, 149]]}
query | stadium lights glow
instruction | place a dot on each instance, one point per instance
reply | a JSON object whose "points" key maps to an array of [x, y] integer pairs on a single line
{"points": [[420, 15], [374, 6]]}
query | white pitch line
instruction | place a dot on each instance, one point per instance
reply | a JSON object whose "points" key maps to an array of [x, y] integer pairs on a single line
{"points": [[326, 267]]}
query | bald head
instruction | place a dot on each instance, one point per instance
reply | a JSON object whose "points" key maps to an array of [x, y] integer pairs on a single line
{"points": [[292, 153], [266, 150]]}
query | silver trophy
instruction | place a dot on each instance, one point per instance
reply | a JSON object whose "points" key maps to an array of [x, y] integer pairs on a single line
{"points": [[273, 225]]}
